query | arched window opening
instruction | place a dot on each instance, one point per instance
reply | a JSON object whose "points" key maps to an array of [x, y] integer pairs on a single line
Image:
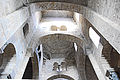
{"points": [[8, 58], [26, 29], [75, 46], [94, 36]]}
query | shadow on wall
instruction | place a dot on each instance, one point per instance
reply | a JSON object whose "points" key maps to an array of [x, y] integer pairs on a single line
{"points": [[32, 69], [35, 66], [28, 74], [90, 73], [60, 76]]}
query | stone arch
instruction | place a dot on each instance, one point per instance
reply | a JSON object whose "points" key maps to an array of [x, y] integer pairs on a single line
{"points": [[87, 13], [9, 57], [71, 38], [43, 38], [67, 37], [60, 76], [78, 39], [61, 5], [41, 6], [11, 48]]}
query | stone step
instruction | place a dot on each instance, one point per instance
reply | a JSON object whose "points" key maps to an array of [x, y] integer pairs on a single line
{"points": [[105, 64]]}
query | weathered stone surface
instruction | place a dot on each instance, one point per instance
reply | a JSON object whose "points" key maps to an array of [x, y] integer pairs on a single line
{"points": [[12, 22], [103, 15], [55, 13], [21, 44], [9, 6], [45, 37], [98, 21], [107, 8], [83, 2], [2, 36], [58, 48]]}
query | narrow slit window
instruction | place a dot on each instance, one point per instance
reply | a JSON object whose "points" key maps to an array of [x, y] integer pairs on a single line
{"points": [[75, 46], [26, 29]]}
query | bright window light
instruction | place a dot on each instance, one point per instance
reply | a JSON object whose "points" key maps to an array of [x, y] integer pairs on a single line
{"points": [[94, 37], [37, 17], [75, 46], [77, 16]]}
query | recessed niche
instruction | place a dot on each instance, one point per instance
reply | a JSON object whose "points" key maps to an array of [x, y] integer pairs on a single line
{"points": [[26, 29], [63, 28], [54, 28]]}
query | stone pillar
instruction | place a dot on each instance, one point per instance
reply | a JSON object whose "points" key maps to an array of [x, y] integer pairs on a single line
{"points": [[40, 60], [80, 60], [100, 48]]}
